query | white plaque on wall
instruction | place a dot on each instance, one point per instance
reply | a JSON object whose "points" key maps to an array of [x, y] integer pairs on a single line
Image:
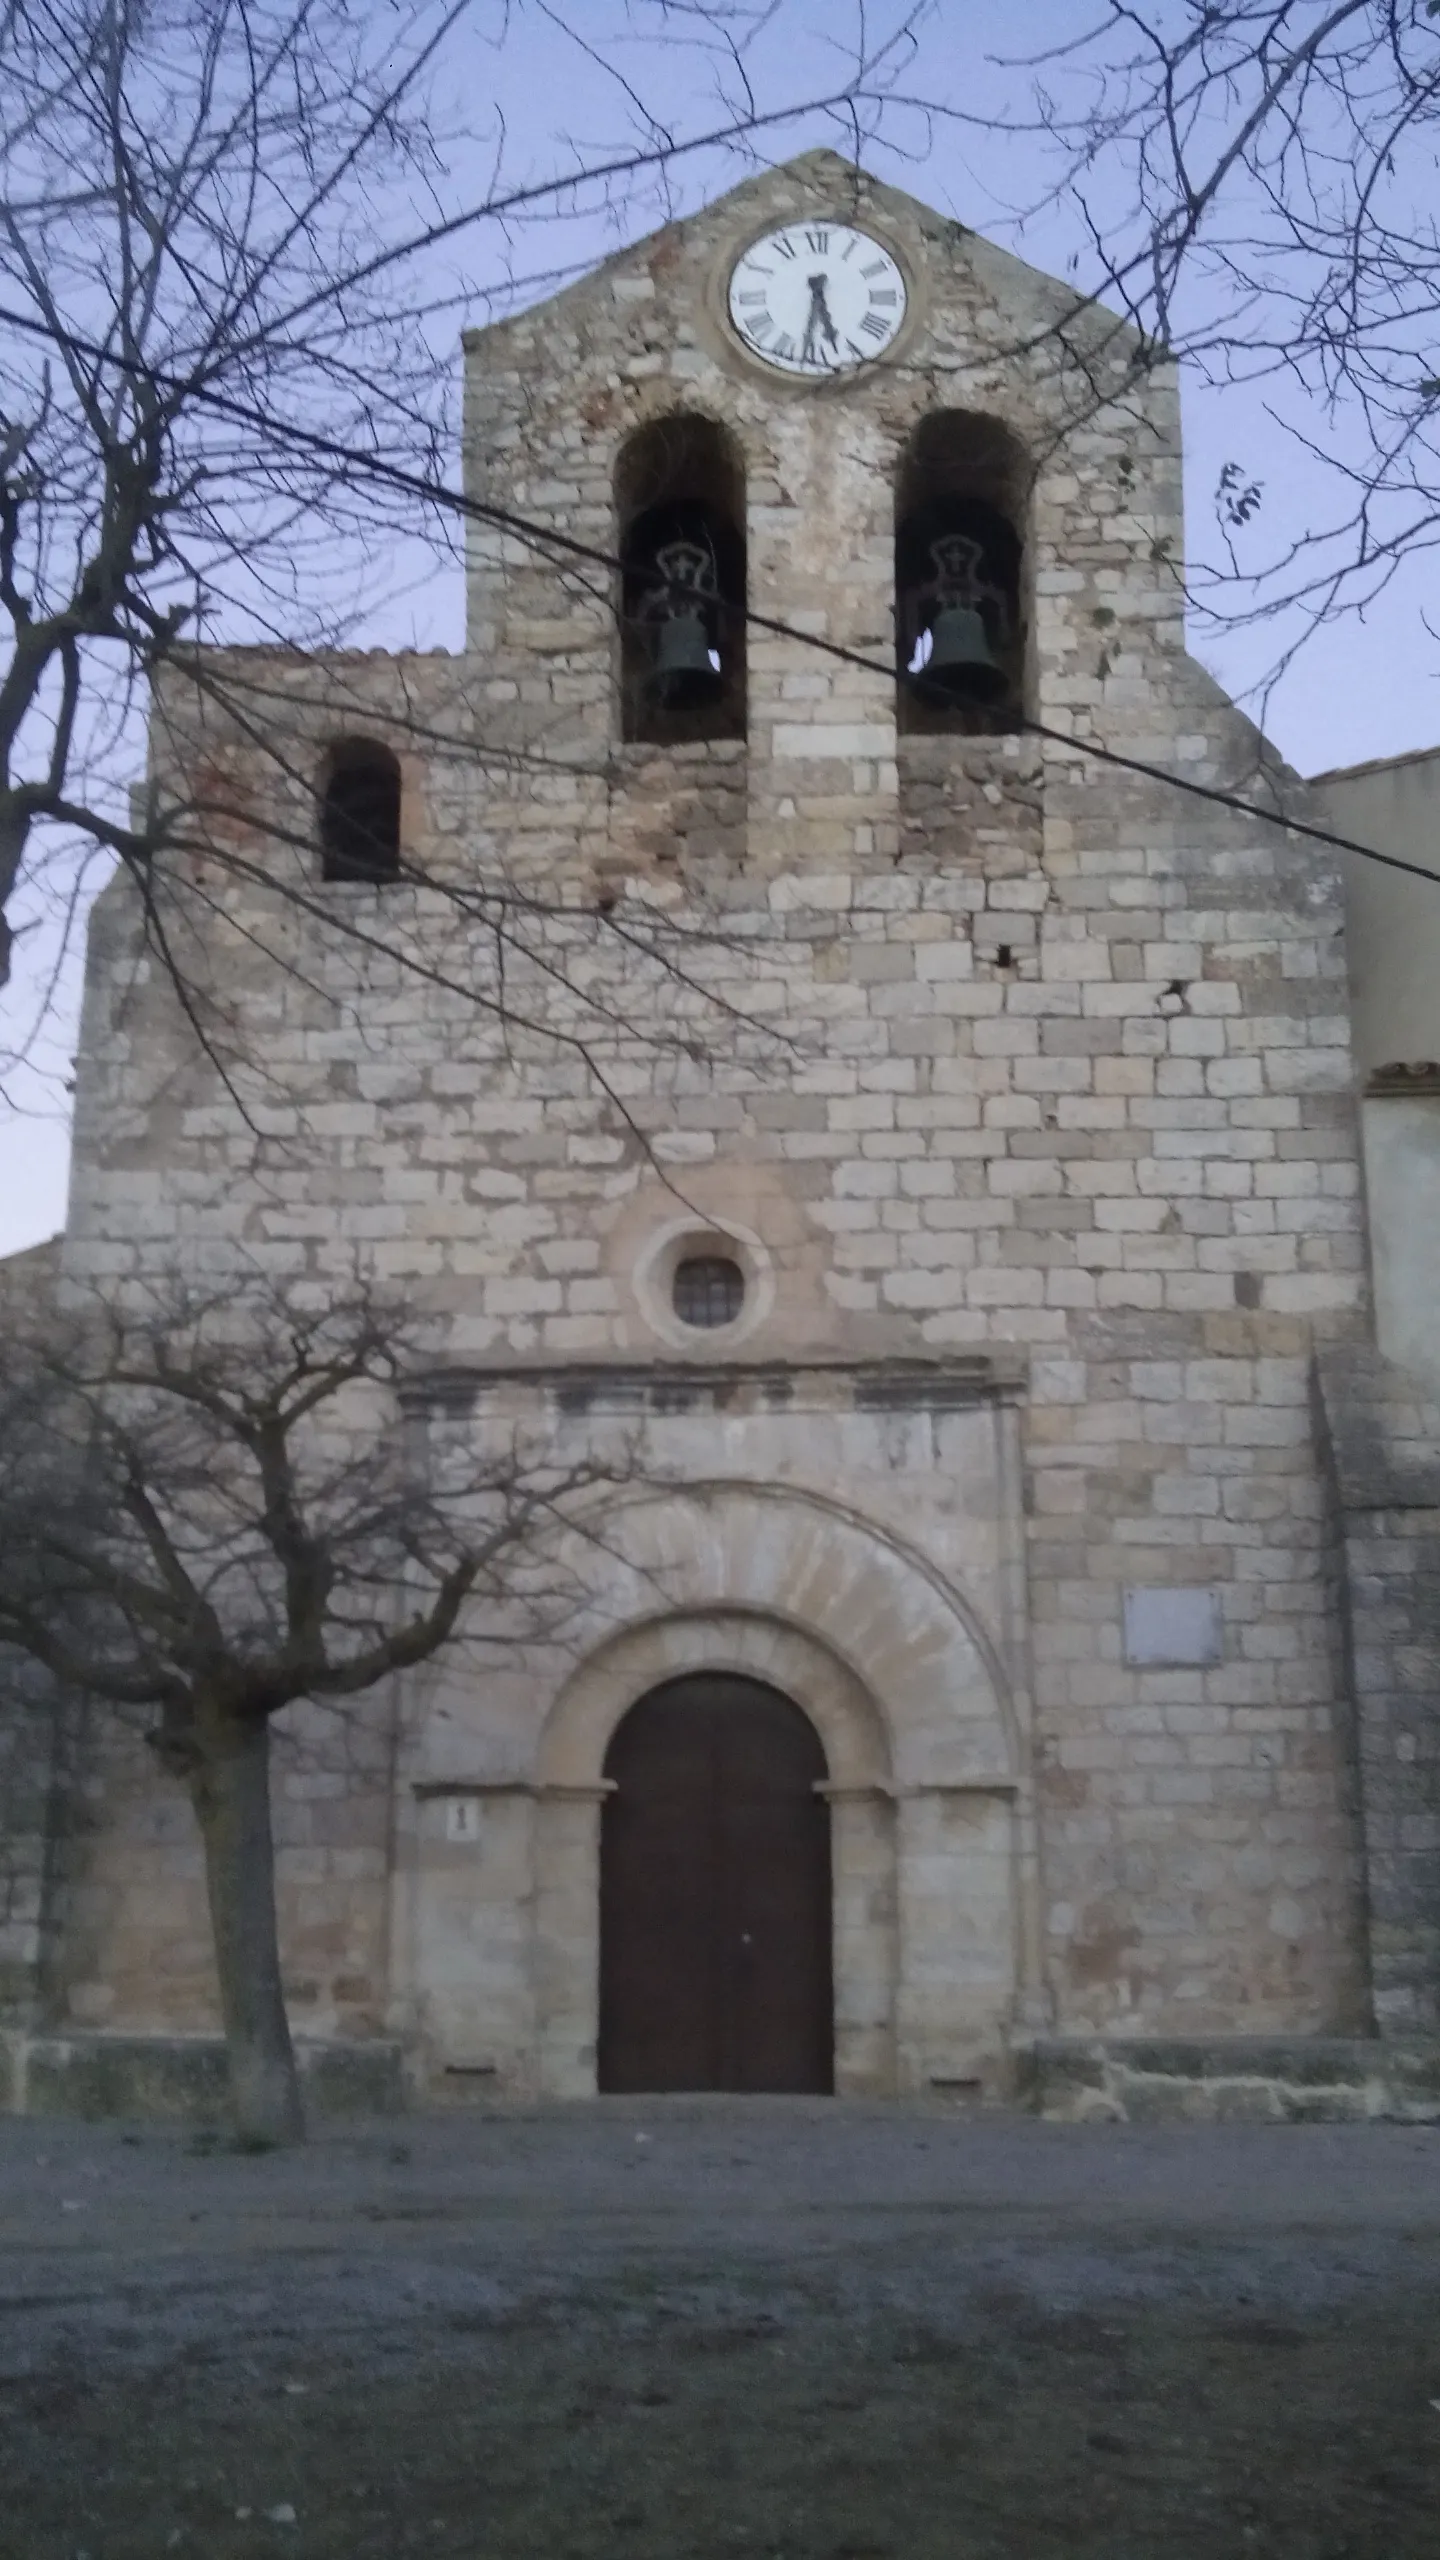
{"points": [[1179, 1627], [462, 1818]]}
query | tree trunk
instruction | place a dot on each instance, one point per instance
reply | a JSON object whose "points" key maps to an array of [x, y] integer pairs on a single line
{"points": [[231, 1792]]}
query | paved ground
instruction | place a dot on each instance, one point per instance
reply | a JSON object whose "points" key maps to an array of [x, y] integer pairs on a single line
{"points": [[792, 2330]]}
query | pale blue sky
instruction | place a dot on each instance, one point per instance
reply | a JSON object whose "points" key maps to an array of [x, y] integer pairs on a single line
{"points": [[1360, 689]]}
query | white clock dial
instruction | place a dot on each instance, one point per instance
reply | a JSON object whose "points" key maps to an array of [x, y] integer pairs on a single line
{"points": [[817, 297]]}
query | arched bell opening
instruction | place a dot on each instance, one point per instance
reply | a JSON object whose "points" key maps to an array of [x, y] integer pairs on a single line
{"points": [[360, 812], [959, 577], [680, 501]]}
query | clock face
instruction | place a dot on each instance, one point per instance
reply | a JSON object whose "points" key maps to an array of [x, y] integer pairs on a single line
{"points": [[817, 297]]}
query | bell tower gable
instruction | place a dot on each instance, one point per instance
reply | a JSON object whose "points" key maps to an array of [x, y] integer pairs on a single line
{"points": [[799, 475]]}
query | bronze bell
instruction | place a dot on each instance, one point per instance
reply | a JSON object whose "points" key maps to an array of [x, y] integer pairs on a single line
{"points": [[962, 666], [684, 676]]}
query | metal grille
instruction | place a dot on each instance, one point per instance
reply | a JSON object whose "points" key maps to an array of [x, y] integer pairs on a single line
{"points": [[709, 1289]]}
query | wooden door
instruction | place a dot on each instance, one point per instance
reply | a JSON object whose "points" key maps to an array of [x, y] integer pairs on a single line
{"points": [[715, 1894]]}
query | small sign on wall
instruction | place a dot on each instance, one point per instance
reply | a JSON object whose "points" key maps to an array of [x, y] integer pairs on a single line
{"points": [[462, 1819], [1177, 1628]]}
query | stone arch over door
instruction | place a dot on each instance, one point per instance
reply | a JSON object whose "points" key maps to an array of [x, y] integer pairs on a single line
{"points": [[935, 1939]]}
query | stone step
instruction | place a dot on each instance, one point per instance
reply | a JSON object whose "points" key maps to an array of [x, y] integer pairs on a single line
{"points": [[1231, 2079], [160, 2079]]}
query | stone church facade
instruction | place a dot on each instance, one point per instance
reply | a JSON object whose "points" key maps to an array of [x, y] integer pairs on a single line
{"points": [[928, 1151]]}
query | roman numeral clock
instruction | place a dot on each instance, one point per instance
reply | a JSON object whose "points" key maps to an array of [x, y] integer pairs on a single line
{"points": [[816, 298]]}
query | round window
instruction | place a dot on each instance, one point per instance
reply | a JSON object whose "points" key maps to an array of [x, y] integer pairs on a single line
{"points": [[708, 1289]]}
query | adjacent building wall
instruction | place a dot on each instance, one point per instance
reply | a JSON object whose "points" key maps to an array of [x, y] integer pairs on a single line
{"points": [[1392, 921], [1384, 1436], [1393, 940]]}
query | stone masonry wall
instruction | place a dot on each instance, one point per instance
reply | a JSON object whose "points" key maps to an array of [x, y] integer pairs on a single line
{"points": [[981, 1042], [27, 1758], [30, 1722], [1383, 1428], [133, 1946]]}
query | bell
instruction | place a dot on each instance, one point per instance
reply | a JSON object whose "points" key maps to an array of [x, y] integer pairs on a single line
{"points": [[684, 676], [962, 666]]}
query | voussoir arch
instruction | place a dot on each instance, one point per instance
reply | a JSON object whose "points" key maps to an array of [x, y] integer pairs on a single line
{"points": [[785, 1585]]}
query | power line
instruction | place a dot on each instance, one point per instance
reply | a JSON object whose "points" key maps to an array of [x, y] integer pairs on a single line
{"points": [[549, 540]]}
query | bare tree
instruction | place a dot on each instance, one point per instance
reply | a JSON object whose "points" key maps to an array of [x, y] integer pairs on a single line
{"points": [[1255, 185], [235, 241], [214, 1510]]}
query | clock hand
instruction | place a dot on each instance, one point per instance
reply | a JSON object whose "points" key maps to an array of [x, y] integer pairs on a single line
{"points": [[819, 318], [813, 320]]}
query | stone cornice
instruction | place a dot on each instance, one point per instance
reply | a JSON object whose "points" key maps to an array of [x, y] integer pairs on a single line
{"points": [[677, 1386]]}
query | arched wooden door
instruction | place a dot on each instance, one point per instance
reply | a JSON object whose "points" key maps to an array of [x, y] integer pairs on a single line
{"points": [[715, 1894]]}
